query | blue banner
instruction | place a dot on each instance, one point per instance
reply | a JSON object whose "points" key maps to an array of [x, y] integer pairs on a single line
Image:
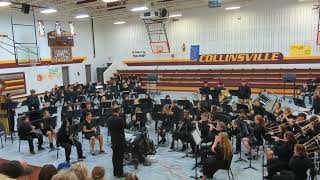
{"points": [[194, 52]]}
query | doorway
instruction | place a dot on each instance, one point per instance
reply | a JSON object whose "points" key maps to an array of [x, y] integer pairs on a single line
{"points": [[65, 75], [88, 73]]}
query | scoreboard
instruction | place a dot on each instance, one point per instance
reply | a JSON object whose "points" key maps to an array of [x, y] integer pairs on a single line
{"points": [[63, 40]]}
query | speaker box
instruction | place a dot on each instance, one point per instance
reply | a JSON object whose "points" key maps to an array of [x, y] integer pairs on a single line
{"points": [[152, 77], [25, 8], [289, 77]]}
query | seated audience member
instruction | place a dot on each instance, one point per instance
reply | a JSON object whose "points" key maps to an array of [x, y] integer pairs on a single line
{"points": [[98, 173], [27, 132], [46, 127], [90, 133], [65, 139], [131, 176], [81, 170], [221, 159], [299, 164], [65, 174], [4, 177], [15, 169], [47, 171], [33, 102]]}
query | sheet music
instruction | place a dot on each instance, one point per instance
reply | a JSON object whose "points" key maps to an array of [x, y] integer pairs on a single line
{"points": [[196, 137]]}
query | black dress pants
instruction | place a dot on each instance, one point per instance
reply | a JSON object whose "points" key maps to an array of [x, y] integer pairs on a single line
{"points": [[67, 148], [30, 138], [117, 160], [275, 165]]}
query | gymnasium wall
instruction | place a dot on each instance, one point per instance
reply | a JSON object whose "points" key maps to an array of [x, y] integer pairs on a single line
{"points": [[83, 47], [262, 26]]}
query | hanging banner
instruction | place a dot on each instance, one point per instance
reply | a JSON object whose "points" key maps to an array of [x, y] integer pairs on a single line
{"points": [[54, 73], [13, 83], [300, 50], [72, 29], [241, 58], [194, 52], [41, 28], [58, 28]]}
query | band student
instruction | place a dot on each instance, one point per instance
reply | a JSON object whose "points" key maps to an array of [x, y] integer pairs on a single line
{"points": [[66, 138], [33, 101], [298, 166], [244, 92], [91, 133], [221, 159], [205, 89], [46, 127], [304, 90], [316, 102], [27, 132], [116, 127], [283, 152], [11, 112]]}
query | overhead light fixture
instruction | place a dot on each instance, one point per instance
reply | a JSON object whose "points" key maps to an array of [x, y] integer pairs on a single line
{"points": [[142, 8], [48, 11], [175, 15], [81, 16], [233, 8], [4, 3], [109, 1], [119, 22]]}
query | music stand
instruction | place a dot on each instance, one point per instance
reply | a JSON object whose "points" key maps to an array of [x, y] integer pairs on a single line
{"points": [[214, 93], [157, 108], [109, 97], [165, 101], [105, 105], [234, 92], [242, 107], [299, 103], [183, 103], [197, 139]]}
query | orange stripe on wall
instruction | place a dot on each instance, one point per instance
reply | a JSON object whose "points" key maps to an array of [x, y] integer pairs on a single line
{"points": [[14, 87], [14, 81]]}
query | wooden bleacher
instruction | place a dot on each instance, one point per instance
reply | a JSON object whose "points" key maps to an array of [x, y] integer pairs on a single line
{"points": [[191, 80]]}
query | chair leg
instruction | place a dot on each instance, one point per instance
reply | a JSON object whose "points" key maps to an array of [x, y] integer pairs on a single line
{"points": [[19, 144], [231, 174], [1, 142], [11, 138], [57, 153]]}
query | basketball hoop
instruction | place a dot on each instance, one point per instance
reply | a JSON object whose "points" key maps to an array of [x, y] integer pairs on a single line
{"points": [[160, 47]]}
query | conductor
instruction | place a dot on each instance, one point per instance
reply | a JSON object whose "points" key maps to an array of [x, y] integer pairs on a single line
{"points": [[117, 125]]}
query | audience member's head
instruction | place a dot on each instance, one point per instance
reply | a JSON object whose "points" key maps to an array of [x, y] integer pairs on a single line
{"points": [[98, 173], [4, 177], [65, 174], [14, 169], [132, 176], [80, 169], [47, 172]]}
